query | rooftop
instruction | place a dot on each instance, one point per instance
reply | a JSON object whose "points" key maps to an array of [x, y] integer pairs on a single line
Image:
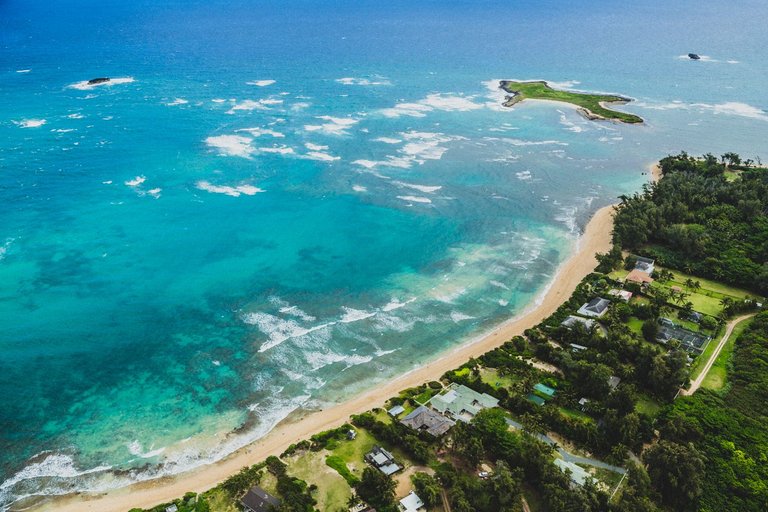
{"points": [[595, 307], [572, 320], [638, 276], [622, 294], [644, 265], [462, 403], [425, 419], [542, 388], [259, 500], [411, 503], [396, 410]]}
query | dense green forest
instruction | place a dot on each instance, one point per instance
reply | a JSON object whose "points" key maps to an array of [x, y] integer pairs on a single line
{"points": [[707, 217], [727, 432]]}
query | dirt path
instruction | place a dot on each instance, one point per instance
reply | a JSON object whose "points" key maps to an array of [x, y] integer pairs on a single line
{"points": [[695, 384]]}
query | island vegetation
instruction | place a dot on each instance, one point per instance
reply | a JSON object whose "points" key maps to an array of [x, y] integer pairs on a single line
{"points": [[590, 416], [591, 106]]}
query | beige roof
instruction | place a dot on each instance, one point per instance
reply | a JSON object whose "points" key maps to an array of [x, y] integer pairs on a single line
{"points": [[638, 276]]}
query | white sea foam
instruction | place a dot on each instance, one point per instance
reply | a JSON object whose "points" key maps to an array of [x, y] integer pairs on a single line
{"points": [[315, 147], [247, 106], [63, 130], [30, 123], [333, 126], [519, 142], [135, 182], [54, 465], [428, 189], [733, 108], [524, 175], [354, 315], [498, 284], [458, 316], [135, 448], [279, 329], [234, 191], [232, 145], [363, 81], [23, 70], [258, 132], [261, 83], [359, 188], [85, 86], [320, 156], [415, 199], [396, 304], [155, 192], [4, 248], [436, 101], [76, 115], [282, 150], [388, 140], [177, 101]]}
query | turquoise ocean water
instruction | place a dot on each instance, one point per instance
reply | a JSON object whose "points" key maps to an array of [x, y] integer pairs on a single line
{"points": [[277, 204]]}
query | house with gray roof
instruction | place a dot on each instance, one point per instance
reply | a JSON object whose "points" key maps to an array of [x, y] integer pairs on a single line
{"points": [[382, 460], [461, 403], [597, 307], [425, 419], [574, 320], [644, 265], [259, 500]]}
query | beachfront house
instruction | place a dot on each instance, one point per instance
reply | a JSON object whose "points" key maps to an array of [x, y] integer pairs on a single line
{"points": [[382, 460], [411, 503], [396, 411], [460, 403], [639, 277], [424, 419], [573, 320], [259, 500], [597, 307], [645, 265]]}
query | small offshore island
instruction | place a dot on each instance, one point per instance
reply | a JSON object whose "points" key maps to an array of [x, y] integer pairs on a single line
{"points": [[590, 105]]}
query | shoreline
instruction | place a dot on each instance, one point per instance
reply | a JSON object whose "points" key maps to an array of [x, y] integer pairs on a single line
{"points": [[595, 238]]}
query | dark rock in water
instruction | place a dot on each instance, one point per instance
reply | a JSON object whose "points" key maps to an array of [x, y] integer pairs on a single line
{"points": [[693, 56], [94, 81]]}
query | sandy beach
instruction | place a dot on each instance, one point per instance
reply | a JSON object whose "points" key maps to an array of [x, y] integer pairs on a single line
{"points": [[596, 238]]}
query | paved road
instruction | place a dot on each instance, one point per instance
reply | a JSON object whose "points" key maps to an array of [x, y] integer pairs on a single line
{"points": [[567, 456], [695, 384]]}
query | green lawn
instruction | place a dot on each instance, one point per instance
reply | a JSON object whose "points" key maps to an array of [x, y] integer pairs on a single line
{"points": [[353, 451], [577, 415], [700, 361], [332, 490], [635, 325], [591, 102], [717, 376], [647, 406], [424, 397], [491, 377]]}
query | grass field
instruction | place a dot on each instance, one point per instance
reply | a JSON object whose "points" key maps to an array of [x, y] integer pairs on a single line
{"points": [[332, 490], [577, 415], [717, 376], [491, 377], [591, 102], [698, 364], [647, 406]]}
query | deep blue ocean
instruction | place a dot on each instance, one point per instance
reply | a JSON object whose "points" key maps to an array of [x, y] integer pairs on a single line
{"points": [[277, 204]]}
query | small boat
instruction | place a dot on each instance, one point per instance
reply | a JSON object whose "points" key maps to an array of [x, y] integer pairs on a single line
{"points": [[694, 56]]}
